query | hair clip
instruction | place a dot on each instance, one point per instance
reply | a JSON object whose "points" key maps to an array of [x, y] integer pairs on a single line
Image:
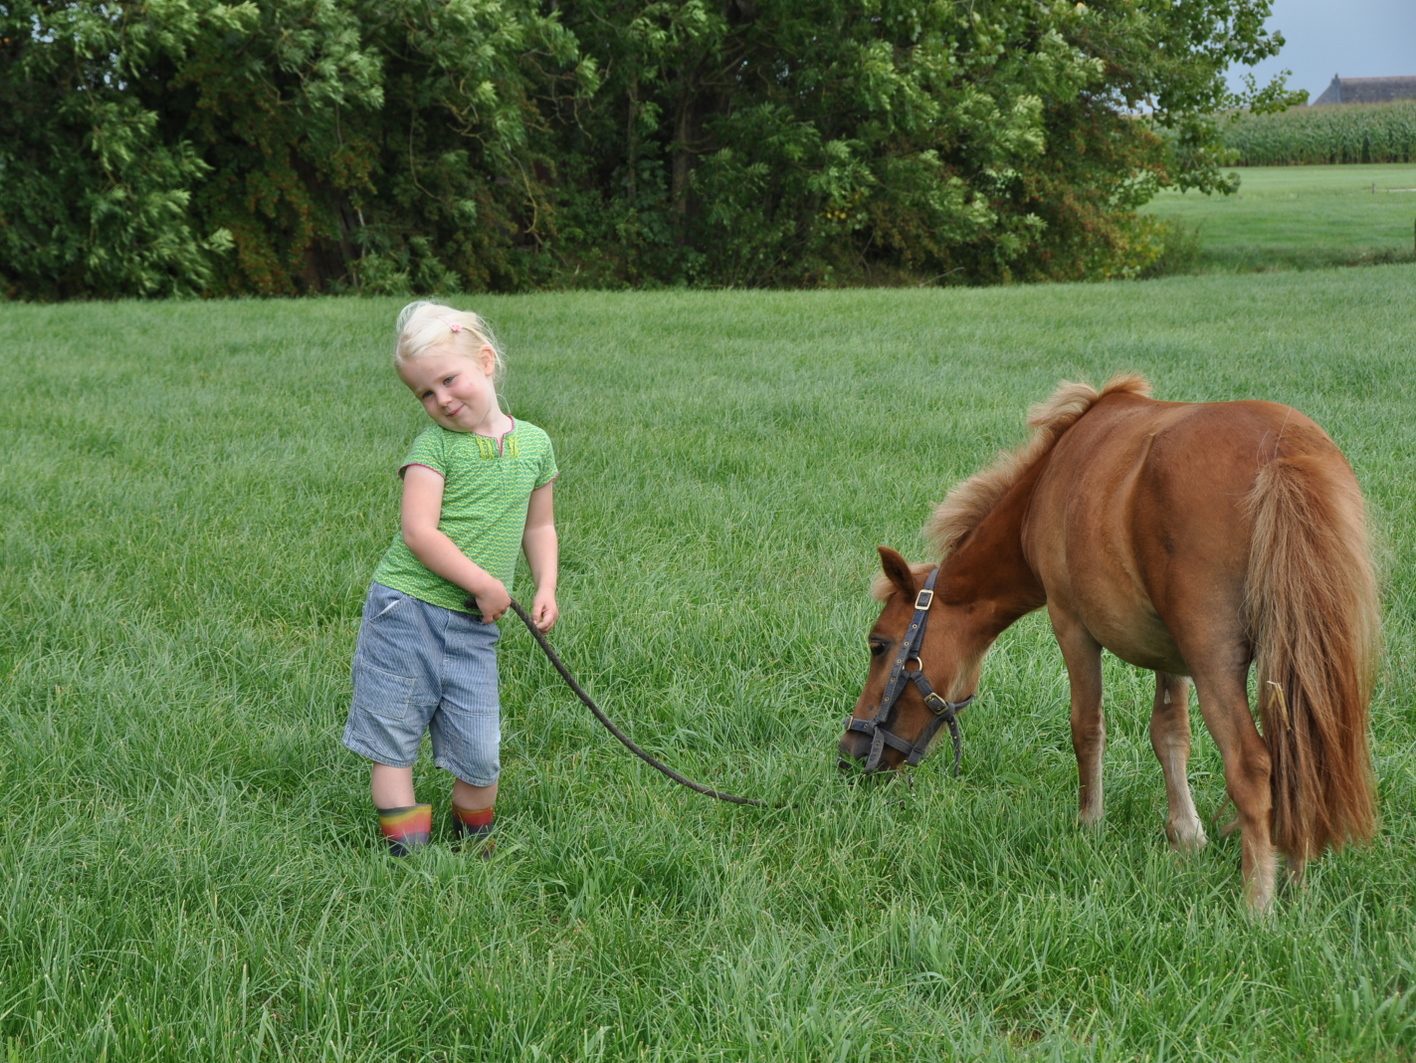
{"points": [[456, 326]]}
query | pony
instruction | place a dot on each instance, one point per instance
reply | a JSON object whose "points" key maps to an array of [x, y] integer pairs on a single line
{"points": [[1192, 539]]}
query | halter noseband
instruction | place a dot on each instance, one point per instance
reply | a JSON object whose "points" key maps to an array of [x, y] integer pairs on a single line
{"points": [[945, 712]]}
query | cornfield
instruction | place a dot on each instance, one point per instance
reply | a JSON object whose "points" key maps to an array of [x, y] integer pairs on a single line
{"points": [[1347, 133]]}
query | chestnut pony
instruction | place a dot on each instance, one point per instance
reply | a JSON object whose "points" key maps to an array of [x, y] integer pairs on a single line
{"points": [[1192, 539]]}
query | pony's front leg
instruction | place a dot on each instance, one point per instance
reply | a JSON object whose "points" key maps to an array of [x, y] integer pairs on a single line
{"points": [[1082, 654], [1170, 738], [1225, 706]]}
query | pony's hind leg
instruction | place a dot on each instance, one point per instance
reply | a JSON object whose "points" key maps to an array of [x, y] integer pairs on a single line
{"points": [[1225, 706], [1170, 738]]}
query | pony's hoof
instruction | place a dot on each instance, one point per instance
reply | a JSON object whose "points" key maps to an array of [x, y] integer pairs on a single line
{"points": [[1259, 903], [1186, 837]]}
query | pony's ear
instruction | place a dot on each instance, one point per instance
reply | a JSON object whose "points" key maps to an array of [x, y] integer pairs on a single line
{"points": [[897, 571]]}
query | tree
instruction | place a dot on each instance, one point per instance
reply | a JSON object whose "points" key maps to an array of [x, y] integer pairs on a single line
{"points": [[825, 141], [94, 199], [461, 193], [152, 147], [275, 148]]}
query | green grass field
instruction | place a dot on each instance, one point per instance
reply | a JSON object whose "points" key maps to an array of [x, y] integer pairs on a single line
{"points": [[1298, 217], [195, 495]]}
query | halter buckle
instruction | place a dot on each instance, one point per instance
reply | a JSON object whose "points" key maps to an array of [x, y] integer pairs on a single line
{"points": [[943, 706], [924, 599]]}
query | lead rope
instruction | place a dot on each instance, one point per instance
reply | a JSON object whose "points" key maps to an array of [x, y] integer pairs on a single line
{"points": [[654, 763]]}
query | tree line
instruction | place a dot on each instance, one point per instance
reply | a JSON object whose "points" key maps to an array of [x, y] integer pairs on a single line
{"points": [[201, 147]]}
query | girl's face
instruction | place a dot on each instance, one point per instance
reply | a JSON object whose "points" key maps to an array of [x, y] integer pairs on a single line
{"points": [[456, 389]]}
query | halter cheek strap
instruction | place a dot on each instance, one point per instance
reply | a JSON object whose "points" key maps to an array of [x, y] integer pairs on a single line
{"points": [[945, 711]]}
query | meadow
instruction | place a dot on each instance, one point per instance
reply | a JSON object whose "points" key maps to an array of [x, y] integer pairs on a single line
{"points": [[196, 494], [1295, 217]]}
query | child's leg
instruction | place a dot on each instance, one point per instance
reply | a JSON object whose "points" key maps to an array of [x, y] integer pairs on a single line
{"points": [[391, 787], [396, 690], [404, 824], [466, 730], [468, 796]]}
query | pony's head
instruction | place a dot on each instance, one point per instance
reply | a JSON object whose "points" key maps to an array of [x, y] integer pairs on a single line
{"points": [[923, 669]]}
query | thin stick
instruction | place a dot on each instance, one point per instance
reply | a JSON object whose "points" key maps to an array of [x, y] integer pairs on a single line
{"points": [[658, 765]]}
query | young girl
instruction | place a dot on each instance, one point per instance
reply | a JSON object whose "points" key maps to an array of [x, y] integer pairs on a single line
{"points": [[476, 487]]}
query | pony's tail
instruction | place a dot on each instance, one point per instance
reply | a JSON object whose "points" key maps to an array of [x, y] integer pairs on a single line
{"points": [[1315, 624]]}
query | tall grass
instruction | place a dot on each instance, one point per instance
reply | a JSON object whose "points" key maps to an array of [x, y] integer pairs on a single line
{"points": [[196, 494], [1304, 136]]}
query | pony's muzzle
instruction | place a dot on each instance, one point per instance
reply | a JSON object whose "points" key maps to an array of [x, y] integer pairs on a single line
{"points": [[853, 752]]}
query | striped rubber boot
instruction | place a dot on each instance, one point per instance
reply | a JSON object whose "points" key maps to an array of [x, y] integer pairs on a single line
{"points": [[406, 829], [474, 828]]}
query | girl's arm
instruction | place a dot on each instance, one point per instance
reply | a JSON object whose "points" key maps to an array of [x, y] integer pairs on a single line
{"points": [[421, 509], [542, 548]]}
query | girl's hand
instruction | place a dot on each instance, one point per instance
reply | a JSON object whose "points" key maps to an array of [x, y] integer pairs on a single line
{"points": [[493, 601], [544, 611]]}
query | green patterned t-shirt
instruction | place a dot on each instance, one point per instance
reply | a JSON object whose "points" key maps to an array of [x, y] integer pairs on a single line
{"points": [[486, 491]]}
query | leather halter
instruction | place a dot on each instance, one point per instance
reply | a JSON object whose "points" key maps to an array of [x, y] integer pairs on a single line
{"points": [[945, 712]]}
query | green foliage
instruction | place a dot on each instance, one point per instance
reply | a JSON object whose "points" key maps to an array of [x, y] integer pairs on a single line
{"points": [[321, 142], [1350, 133], [835, 142], [215, 147], [460, 195], [841, 143], [272, 96], [94, 197]]}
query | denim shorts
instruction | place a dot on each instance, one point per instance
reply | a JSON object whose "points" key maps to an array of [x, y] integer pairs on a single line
{"points": [[420, 667]]}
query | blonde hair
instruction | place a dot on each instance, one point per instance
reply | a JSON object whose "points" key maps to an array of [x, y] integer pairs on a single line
{"points": [[423, 324]]}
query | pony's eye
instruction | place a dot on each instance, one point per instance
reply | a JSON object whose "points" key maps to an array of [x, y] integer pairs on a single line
{"points": [[876, 648]]}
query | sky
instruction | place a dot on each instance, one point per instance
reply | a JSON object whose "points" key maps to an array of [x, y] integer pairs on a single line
{"points": [[1354, 38]]}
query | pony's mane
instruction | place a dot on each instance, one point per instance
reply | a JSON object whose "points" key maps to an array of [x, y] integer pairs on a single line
{"points": [[970, 501]]}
